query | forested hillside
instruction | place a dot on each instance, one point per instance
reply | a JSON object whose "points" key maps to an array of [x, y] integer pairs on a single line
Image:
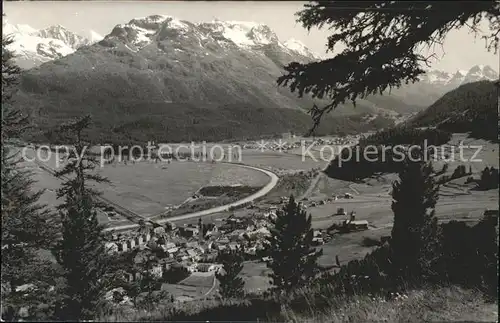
{"points": [[470, 108]]}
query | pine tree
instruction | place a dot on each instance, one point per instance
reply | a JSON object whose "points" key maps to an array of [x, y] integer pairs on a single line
{"points": [[483, 180], [231, 285], [81, 252], [292, 258], [486, 251], [13, 120], [489, 178], [26, 224], [494, 177], [415, 234], [146, 289]]}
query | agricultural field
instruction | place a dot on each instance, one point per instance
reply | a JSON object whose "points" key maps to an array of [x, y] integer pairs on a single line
{"points": [[255, 276], [199, 279], [197, 285], [477, 154], [184, 293], [227, 175], [46, 182], [348, 247], [458, 200], [148, 188], [280, 161], [49, 185]]}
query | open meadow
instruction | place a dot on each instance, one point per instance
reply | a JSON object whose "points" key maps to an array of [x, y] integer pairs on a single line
{"points": [[255, 275], [148, 188], [280, 160], [371, 201], [196, 286], [458, 200]]}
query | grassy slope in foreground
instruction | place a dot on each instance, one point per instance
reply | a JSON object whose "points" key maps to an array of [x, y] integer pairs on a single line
{"points": [[444, 304]]}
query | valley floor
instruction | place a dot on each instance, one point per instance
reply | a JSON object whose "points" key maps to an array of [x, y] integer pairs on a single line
{"points": [[371, 200]]}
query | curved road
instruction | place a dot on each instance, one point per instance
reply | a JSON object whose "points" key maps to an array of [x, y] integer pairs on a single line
{"points": [[266, 189]]}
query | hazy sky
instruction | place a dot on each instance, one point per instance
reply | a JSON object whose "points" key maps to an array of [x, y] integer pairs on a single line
{"points": [[461, 50]]}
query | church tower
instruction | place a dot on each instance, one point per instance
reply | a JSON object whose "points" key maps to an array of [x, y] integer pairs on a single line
{"points": [[200, 229]]}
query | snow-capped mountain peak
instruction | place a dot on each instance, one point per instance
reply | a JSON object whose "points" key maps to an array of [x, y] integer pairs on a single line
{"points": [[155, 22], [38, 46], [481, 72], [299, 47], [95, 37], [437, 77], [241, 33], [140, 32], [474, 74], [11, 30], [60, 32], [33, 47]]}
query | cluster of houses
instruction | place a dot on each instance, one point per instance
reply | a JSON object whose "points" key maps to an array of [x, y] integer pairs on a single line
{"points": [[291, 142], [195, 246], [307, 203], [347, 140]]}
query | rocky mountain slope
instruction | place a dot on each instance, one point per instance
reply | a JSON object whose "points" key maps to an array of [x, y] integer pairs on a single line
{"points": [[177, 80]]}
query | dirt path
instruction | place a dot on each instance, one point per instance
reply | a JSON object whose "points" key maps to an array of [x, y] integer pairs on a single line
{"points": [[353, 189]]}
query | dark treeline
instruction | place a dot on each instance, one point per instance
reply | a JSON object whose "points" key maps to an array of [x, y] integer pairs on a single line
{"points": [[402, 135], [382, 152], [482, 125], [489, 179], [471, 108], [210, 123], [459, 172], [214, 191]]}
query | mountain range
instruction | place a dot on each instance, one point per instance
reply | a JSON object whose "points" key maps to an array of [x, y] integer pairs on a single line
{"points": [[56, 41], [34, 47], [460, 77], [178, 80]]}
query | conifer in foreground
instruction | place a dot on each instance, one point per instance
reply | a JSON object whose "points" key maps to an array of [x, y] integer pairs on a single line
{"points": [[415, 233], [81, 252], [231, 285], [26, 224], [292, 257]]}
